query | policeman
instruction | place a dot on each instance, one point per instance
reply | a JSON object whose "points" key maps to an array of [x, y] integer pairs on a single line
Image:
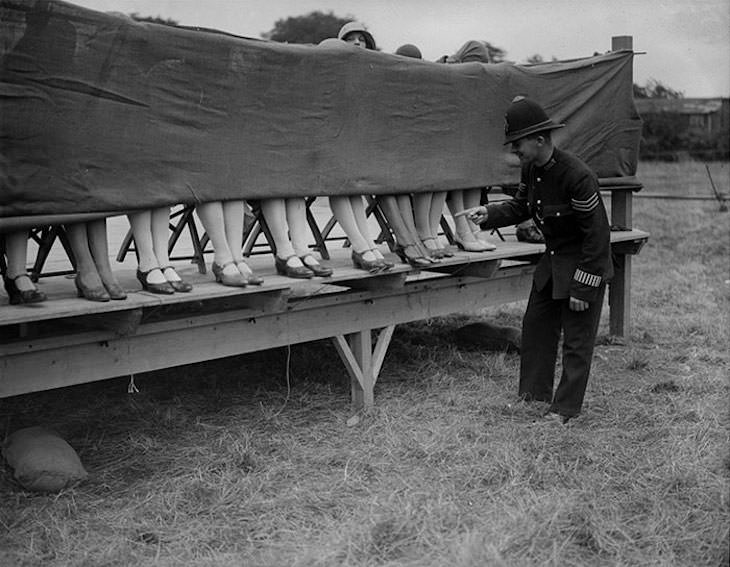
{"points": [[561, 194]]}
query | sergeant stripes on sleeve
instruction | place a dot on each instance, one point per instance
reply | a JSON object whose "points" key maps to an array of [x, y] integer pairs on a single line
{"points": [[585, 206], [586, 278]]}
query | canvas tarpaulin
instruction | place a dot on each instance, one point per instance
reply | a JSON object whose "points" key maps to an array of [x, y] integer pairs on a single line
{"points": [[104, 114]]}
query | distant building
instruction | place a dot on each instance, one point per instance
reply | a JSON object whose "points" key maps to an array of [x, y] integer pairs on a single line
{"points": [[696, 115], [672, 126]]}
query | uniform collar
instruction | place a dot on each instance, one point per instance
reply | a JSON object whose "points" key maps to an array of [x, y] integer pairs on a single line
{"points": [[550, 163]]}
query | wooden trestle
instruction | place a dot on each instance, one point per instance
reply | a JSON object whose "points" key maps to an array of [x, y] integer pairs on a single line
{"points": [[66, 341]]}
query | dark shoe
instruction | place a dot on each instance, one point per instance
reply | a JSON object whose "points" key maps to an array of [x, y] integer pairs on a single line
{"points": [[16, 296], [385, 263], [410, 255], [552, 417], [160, 288], [91, 293], [234, 280], [178, 285], [318, 269], [284, 269], [115, 291], [251, 278], [372, 266]]}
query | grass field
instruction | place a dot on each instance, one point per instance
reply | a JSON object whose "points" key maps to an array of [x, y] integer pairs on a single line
{"points": [[255, 460]]}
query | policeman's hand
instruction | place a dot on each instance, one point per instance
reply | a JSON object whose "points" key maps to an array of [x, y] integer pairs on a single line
{"points": [[578, 304], [477, 215]]}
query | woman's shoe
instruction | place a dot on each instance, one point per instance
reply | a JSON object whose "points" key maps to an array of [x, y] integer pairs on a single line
{"points": [[473, 245], [318, 269], [372, 266], [434, 251], [17, 296], [179, 284], [115, 291], [284, 269], [91, 293], [249, 276], [410, 255], [232, 280], [159, 288]]}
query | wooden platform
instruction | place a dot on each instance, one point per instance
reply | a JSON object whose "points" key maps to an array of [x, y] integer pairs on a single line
{"points": [[67, 340]]}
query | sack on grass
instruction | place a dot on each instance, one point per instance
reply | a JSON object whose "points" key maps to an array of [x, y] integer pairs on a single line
{"points": [[490, 337], [42, 461]]}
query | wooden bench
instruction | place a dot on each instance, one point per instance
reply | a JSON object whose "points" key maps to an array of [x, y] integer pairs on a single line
{"points": [[66, 340]]}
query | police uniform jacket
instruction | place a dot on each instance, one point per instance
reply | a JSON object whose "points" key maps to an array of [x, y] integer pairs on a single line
{"points": [[563, 198]]}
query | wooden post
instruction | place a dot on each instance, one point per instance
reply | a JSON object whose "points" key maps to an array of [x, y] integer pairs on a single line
{"points": [[619, 290], [619, 42]]}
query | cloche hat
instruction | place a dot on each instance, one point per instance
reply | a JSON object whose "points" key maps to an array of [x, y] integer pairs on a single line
{"points": [[524, 117], [352, 27], [409, 50]]}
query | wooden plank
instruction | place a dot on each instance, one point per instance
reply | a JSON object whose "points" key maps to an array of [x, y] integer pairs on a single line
{"points": [[96, 355]]}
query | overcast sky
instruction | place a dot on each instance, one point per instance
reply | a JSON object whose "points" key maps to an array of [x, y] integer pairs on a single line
{"points": [[687, 42]]}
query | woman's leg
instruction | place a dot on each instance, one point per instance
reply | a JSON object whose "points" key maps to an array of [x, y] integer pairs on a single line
{"points": [[160, 227], [88, 281], [296, 217], [274, 211], [364, 253], [464, 237], [148, 264], [99, 247], [390, 206], [16, 252], [233, 218], [438, 201], [422, 215], [342, 209], [224, 267], [473, 198]]}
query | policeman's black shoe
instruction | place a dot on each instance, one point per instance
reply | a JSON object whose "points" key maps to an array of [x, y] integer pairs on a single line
{"points": [[555, 418]]}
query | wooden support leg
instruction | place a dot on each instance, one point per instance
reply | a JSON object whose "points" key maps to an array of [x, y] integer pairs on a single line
{"points": [[363, 363], [619, 297], [619, 291]]}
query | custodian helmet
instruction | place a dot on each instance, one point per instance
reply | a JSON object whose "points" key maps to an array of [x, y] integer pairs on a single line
{"points": [[524, 117]]}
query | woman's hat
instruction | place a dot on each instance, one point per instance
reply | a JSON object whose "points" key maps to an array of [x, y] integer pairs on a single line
{"points": [[525, 117], [352, 27], [409, 50]]}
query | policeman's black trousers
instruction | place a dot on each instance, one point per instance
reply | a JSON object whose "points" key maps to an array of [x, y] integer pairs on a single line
{"points": [[542, 324]]}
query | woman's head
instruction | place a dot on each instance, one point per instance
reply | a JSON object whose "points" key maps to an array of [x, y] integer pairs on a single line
{"points": [[472, 50], [356, 34], [409, 50]]}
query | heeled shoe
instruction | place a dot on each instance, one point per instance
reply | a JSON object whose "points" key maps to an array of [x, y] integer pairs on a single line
{"points": [[233, 280], [386, 264], [318, 269], [115, 291], [178, 285], [474, 245], [284, 269], [99, 294], [371, 266], [436, 252], [159, 288], [251, 278], [409, 255], [17, 296]]}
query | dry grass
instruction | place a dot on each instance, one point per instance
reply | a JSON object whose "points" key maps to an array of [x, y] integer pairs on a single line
{"points": [[226, 464]]}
